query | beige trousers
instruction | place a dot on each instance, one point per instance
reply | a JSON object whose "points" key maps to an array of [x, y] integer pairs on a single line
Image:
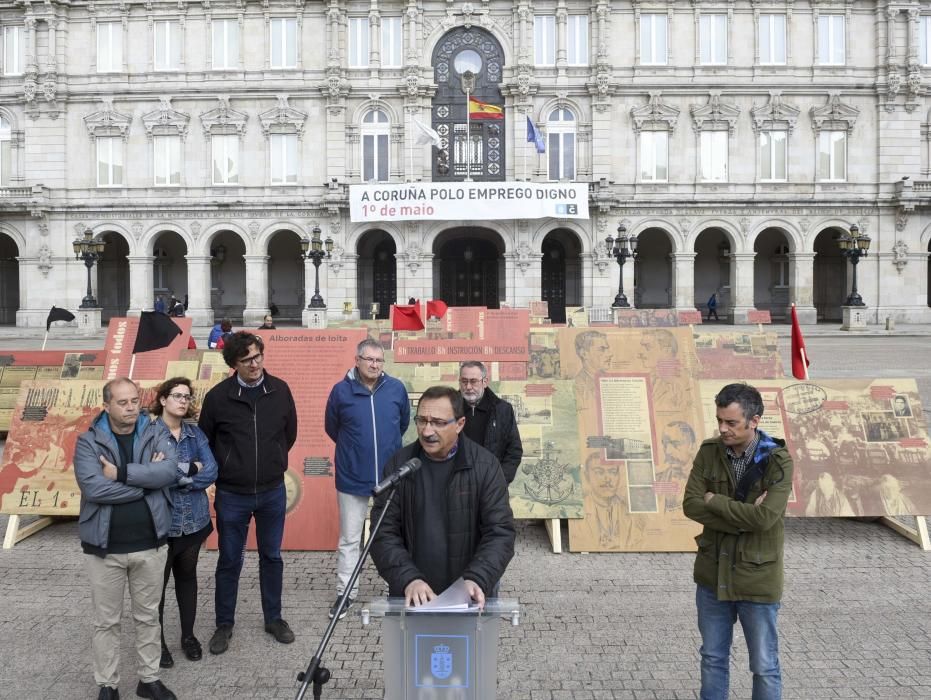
{"points": [[145, 573]]}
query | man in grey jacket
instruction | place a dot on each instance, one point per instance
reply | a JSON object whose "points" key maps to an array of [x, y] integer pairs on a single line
{"points": [[125, 465]]}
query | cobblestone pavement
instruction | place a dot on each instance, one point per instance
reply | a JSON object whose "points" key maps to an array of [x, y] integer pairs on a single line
{"points": [[855, 622]]}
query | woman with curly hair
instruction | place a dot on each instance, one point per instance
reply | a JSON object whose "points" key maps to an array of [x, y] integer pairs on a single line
{"points": [[190, 520]]}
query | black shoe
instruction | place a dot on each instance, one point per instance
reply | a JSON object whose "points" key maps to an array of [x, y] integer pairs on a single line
{"points": [[108, 693], [349, 602], [220, 641], [167, 660], [280, 631], [191, 648], [155, 690]]}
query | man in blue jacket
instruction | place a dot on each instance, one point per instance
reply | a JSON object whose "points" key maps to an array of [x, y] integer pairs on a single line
{"points": [[366, 415], [125, 465]]}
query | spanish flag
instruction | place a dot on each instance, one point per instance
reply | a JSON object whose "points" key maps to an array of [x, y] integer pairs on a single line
{"points": [[481, 110]]}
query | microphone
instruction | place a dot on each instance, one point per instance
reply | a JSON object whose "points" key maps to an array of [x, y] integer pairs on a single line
{"points": [[408, 468]]}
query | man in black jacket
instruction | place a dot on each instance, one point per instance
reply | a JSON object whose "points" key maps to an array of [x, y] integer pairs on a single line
{"points": [[489, 419], [251, 423], [449, 520]]}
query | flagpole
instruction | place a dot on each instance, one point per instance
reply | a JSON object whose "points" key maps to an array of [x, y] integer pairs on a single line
{"points": [[804, 361], [132, 365], [44, 340], [468, 177], [525, 160], [410, 146]]}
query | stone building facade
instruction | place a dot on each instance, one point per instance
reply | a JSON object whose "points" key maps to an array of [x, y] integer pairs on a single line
{"points": [[203, 140]]}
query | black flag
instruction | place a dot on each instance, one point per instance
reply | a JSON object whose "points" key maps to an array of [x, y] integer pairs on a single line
{"points": [[57, 314], [155, 331]]}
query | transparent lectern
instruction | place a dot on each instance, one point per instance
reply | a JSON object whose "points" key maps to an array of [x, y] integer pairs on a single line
{"points": [[451, 655]]}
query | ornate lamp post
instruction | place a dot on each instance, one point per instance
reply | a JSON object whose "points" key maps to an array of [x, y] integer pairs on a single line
{"points": [[313, 248], [90, 251], [853, 247], [621, 248]]}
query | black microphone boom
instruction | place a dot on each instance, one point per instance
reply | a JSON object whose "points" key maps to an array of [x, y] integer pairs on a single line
{"points": [[408, 468]]}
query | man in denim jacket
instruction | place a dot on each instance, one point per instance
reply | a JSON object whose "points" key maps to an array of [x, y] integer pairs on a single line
{"points": [[738, 489], [125, 466]]}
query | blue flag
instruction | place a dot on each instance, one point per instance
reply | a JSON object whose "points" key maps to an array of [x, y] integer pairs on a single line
{"points": [[534, 136]]}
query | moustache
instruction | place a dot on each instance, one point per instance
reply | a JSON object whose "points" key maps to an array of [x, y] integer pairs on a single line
{"points": [[431, 438]]}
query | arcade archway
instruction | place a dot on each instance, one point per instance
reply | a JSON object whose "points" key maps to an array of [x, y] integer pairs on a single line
{"points": [[468, 267], [9, 280], [377, 273]]}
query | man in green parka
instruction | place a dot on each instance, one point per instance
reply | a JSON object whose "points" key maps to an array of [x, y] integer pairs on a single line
{"points": [[738, 489]]}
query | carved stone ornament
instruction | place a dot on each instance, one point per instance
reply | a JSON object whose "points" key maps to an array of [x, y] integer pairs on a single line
{"points": [[775, 115], [136, 228], [48, 89], [283, 117], [901, 219], [524, 257], [523, 82], [655, 113], [716, 115], [253, 229], [412, 82], [107, 121], [336, 259], [224, 119], [744, 224], [195, 230], [893, 82], [834, 115], [914, 81], [45, 260], [900, 255], [29, 89], [165, 121]]}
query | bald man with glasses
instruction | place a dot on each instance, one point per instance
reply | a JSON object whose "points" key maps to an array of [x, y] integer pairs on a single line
{"points": [[367, 412]]}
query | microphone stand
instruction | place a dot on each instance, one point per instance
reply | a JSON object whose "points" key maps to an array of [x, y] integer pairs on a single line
{"points": [[317, 674]]}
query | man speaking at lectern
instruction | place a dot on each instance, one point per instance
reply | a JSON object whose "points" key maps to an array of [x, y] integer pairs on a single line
{"points": [[449, 519]]}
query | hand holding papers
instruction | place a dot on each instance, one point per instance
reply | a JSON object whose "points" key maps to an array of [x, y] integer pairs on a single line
{"points": [[458, 597]]}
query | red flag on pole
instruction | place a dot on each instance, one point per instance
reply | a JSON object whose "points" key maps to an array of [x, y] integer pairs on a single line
{"points": [[406, 318], [799, 356], [436, 308]]}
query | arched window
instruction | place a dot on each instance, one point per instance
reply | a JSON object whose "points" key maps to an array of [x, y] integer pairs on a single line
{"points": [[375, 128], [6, 154], [560, 129]]}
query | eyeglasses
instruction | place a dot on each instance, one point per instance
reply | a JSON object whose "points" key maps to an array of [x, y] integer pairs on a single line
{"points": [[372, 360], [471, 382], [179, 397], [437, 423], [254, 360]]}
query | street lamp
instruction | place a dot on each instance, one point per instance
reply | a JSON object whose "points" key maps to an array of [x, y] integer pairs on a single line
{"points": [[90, 251], [313, 248], [853, 247], [621, 248]]}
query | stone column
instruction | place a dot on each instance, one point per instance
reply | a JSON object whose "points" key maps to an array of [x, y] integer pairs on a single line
{"points": [[256, 290], [629, 290], [141, 284], [198, 288], [683, 281], [741, 286], [801, 286]]}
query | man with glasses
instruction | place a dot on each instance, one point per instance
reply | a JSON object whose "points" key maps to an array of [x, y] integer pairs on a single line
{"points": [[366, 415], [450, 519], [251, 423], [490, 419], [125, 465]]}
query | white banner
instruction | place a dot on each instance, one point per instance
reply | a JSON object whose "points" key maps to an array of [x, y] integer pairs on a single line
{"points": [[445, 201]]}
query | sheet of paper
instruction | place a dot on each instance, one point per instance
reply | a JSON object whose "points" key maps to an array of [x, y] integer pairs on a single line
{"points": [[456, 598]]}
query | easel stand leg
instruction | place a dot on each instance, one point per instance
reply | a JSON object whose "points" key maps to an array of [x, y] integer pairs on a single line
{"points": [[317, 674], [918, 534], [553, 529], [14, 534]]}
